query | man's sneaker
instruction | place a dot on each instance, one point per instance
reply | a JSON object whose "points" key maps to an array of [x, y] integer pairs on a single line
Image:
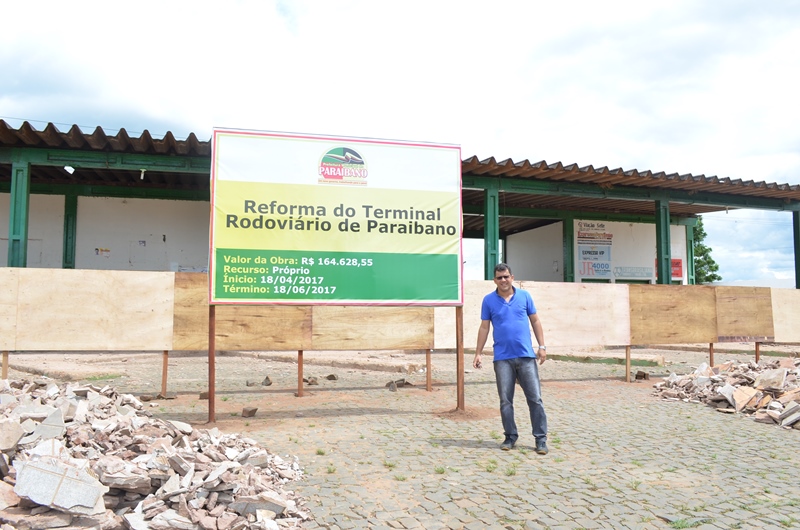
{"points": [[541, 447], [508, 444]]}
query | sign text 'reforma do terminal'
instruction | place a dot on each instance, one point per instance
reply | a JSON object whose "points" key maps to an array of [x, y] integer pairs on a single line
{"points": [[279, 216]]}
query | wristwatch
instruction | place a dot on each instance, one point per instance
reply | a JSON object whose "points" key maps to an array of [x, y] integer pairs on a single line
{"points": [[543, 348]]}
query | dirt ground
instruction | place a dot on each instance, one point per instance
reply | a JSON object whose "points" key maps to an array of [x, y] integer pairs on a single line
{"points": [[239, 375]]}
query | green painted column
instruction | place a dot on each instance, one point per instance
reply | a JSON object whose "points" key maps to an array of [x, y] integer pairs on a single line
{"points": [[796, 229], [690, 255], [568, 244], [18, 216], [663, 251], [70, 230], [491, 228]]}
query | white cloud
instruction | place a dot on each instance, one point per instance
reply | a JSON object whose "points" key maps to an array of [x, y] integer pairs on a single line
{"points": [[679, 86]]}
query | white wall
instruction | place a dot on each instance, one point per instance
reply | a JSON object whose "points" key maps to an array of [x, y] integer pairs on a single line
{"points": [[537, 254], [45, 230], [611, 251], [161, 235], [142, 234]]}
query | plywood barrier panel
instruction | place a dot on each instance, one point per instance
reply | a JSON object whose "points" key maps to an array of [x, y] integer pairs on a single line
{"points": [[190, 324], [672, 314], [372, 328], [582, 314], [62, 309], [9, 284], [786, 314], [263, 327], [445, 317], [744, 314]]}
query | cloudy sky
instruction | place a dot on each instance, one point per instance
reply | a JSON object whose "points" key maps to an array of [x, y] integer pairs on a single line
{"points": [[702, 87]]}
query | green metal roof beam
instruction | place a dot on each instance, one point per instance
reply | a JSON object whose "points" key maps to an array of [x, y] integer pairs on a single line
{"points": [[534, 213], [572, 189], [114, 191], [103, 160]]}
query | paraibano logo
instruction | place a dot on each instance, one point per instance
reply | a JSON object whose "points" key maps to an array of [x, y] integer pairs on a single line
{"points": [[342, 165]]}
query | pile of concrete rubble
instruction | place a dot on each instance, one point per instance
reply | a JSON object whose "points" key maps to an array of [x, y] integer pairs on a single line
{"points": [[83, 456], [769, 391]]}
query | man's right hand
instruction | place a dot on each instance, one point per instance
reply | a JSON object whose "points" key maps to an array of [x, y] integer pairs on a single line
{"points": [[476, 362]]}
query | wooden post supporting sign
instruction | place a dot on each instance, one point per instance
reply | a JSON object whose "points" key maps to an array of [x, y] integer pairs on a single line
{"points": [[212, 369], [460, 357]]}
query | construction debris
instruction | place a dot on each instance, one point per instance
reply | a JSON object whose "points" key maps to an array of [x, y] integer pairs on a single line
{"points": [[399, 383], [769, 391], [77, 455]]}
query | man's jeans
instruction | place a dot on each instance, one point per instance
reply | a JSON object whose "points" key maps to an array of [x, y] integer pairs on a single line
{"points": [[526, 370]]}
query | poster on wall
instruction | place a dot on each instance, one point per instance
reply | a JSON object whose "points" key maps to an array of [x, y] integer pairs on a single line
{"points": [[594, 250], [676, 268], [307, 219]]}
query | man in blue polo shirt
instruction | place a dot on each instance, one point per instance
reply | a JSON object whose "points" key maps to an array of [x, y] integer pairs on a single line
{"points": [[509, 311]]}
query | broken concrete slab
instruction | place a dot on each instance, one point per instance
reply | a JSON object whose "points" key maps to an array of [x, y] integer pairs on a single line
{"points": [[11, 432], [54, 483], [8, 497], [266, 500]]}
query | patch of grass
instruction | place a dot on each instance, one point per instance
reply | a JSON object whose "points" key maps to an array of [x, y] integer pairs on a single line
{"points": [[439, 470], [634, 484], [687, 523], [786, 523], [226, 398], [234, 413], [511, 471], [558, 459], [523, 451], [389, 465], [494, 435], [320, 451], [636, 463], [490, 467], [100, 377], [401, 478], [594, 360], [311, 425], [331, 468]]}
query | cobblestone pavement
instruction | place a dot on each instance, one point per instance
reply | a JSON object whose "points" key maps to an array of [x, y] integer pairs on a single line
{"points": [[619, 457]]}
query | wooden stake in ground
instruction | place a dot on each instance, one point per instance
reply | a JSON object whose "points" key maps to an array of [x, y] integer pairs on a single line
{"points": [[164, 368], [299, 373]]}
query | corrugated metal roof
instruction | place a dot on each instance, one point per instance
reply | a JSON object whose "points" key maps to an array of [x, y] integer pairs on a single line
{"points": [[608, 178], [52, 138], [26, 136]]}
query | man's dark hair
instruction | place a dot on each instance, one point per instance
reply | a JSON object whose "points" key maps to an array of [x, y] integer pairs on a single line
{"points": [[502, 267]]}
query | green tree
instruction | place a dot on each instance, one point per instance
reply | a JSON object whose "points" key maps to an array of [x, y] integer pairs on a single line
{"points": [[705, 268]]}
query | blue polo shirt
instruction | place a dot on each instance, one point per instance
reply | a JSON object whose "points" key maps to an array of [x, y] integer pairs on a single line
{"points": [[510, 323]]}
